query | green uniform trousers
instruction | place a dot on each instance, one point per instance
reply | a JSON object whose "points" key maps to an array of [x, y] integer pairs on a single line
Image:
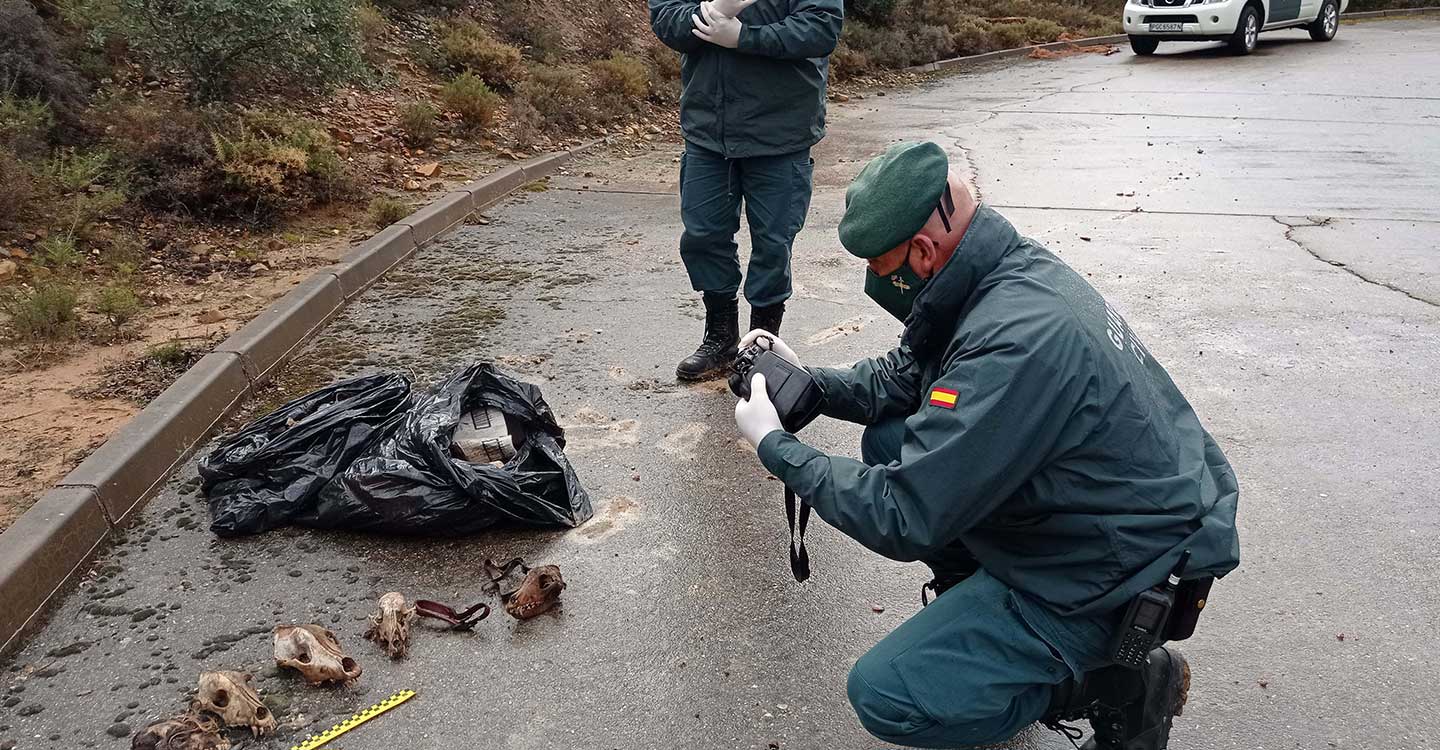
{"points": [[776, 194], [977, 665]]}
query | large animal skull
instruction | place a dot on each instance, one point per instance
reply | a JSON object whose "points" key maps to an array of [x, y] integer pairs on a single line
{"points": [[313, 651], [526, 592], [187, 732], [390, 627], [230, 696]]}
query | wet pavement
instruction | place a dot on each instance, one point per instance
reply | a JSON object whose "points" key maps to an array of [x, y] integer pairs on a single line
{"points": [[1268, 224]]}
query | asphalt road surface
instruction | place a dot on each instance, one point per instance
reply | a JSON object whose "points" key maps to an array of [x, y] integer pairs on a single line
{"points": [[1268, 224]]}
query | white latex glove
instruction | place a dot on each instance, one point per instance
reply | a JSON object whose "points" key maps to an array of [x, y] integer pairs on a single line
{"points": [[716, 28], [775, 345], [730, 8], [756, 417]]}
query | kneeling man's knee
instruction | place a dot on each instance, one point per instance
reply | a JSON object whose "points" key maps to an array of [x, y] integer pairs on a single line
{"points": [[882, 703], [887, 710]]}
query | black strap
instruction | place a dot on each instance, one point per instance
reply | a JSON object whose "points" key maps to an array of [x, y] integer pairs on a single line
{"points": [[799, 556]]}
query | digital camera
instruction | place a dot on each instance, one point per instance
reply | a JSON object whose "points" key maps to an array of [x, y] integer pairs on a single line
{"points": [[795, 394]]}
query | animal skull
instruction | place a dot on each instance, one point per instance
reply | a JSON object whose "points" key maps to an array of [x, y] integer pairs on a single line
{"points": [[526, 592], [189, 732], [538, 593], [230, 696], [390, 627], [315, 652]]}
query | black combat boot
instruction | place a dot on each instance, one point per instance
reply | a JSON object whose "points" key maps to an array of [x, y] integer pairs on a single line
{"points": [[1128, 709], [767, 317], [717, 349]]}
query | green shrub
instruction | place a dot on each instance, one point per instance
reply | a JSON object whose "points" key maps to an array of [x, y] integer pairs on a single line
{"points": [[469, 97], [59, 252], [536, 32], [274, 165], [418, 123], [73, 171], [559, 94], [848, 62], [621, 82], [18, 192], [170, 354], [45, 313], [526, 122], [385, 211], [168, 154], [220, 44], [971, 37], [1031, 31], [467, 46], [119, 305], [612, 34], [373, 29], [78, 214], [32, 65], [664, 73], [25, 125]]}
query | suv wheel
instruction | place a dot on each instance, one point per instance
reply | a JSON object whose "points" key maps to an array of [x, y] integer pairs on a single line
{"points": [[1145, 45], [1247, 31], [1327, 23]]}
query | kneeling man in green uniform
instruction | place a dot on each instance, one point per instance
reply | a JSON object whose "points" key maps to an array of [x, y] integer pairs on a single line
{"points": [[1023, 443]]}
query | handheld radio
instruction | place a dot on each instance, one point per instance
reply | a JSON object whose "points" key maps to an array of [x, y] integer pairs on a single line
{"points": [[1143, 627]]}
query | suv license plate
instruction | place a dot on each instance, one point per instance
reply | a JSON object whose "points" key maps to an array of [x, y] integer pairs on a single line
{"points": [[1167, 27]]}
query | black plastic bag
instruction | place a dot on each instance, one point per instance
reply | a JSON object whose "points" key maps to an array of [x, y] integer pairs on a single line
{"points": [[412, 482], [264, 475]]}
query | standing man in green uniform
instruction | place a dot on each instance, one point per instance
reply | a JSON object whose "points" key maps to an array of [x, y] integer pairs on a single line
{"points": [[754, 75], [1023, 443]]}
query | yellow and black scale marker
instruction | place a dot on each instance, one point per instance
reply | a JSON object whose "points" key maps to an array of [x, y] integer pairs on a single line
{"points": [[317, 740]]}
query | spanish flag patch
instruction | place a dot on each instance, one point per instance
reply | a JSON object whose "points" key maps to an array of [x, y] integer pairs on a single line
{"points": [[943, 397]]}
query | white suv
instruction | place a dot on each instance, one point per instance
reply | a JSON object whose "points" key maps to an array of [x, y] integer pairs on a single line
{"points": [[1236, 22]]}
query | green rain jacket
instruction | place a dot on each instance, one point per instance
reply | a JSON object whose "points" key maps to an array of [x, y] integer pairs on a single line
{"points": [[1067, 463], [765, 98]]}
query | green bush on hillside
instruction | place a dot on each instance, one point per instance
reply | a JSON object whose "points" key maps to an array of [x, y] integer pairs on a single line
{"points": [[466, 45], [221, 45]]}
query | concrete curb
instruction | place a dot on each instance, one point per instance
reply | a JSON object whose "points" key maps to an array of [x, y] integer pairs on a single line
{"points": [[49, 544], [1002, 54]]}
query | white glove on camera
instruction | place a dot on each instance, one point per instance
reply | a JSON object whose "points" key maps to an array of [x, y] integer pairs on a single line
{"points": [[716, 28], [775, 345], [756, 417]]}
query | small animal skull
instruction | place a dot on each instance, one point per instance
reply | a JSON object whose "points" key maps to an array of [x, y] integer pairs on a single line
{"points": [[189, 732], [534, 594], [315, 652], [230, 696], [390, 627]]}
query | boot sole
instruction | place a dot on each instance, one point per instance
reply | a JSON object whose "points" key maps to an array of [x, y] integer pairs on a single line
{"points": [[711, 374]]}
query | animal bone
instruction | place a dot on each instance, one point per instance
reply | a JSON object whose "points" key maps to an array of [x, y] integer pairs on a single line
{"points": [[230, 696], [189, 732], [315, 652], [525, 592], [390, 627]]}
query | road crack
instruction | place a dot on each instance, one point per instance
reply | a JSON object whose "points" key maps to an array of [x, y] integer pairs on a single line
{"points": [[972, 168], [1326, 221]]}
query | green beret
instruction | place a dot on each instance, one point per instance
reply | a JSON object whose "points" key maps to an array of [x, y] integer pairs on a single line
{"points": [[892, 198]]}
